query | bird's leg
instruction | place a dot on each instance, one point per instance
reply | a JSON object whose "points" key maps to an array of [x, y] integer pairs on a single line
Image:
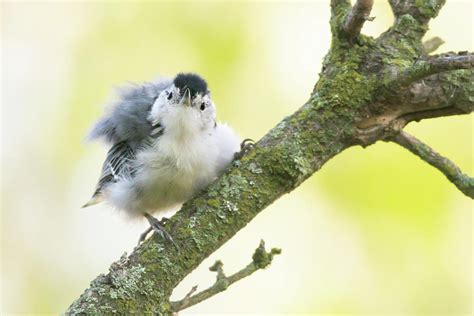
{"points": [[144, 234], [163, 220], [157, 227], [245, 146]]}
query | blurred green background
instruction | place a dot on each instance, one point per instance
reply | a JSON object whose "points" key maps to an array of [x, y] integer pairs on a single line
{"points": [[376, 231]]}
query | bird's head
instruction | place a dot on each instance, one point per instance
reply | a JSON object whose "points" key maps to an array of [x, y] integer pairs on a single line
{"points": [[185, 106]]}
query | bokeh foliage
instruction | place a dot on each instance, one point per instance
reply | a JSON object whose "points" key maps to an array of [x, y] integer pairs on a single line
{"points": [[376, 230]]}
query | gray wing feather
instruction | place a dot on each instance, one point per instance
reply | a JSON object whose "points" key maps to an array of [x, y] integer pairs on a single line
{"points": [[126, 119], [116, 165], [127, 128]]}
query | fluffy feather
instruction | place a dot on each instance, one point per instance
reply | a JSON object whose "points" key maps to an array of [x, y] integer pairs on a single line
{"points": [[126, 119]]}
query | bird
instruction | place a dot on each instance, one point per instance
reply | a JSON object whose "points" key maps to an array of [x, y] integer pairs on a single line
{"points": [[165, 146]]}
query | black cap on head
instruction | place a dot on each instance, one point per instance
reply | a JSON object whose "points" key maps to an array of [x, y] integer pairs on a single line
{"points": [[191, 81]]}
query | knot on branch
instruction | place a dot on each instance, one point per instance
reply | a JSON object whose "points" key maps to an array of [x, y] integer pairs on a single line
{"points": [[383, 130], [261, 258], [221, 281]]}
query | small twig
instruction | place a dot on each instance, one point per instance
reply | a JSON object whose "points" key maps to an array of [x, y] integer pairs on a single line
{"points": [[432, 44], [179, 304], [260, 260], [436, 64], [356, 18], [462, 181]]}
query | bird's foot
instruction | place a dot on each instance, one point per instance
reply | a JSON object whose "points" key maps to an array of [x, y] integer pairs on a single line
{"points": [[245, 146], [156, 226], [143, 235]]}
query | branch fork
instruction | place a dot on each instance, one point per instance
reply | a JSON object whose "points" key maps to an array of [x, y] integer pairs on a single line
{"points": [[355, 19]]}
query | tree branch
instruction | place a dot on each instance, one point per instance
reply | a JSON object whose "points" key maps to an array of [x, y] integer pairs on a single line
{"points": [[463, 182], [412, 17], [422, 12], [429, 114], [338, 5], [436, 64], [432, 44], [356, 18], [445, 94], [260, 260]]}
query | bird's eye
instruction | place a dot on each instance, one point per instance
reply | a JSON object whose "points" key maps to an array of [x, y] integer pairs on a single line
{"points": [[170, 95], [203, 106]]}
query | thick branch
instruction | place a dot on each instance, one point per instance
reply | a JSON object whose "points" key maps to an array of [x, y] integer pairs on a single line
{"points": [[356, 18], [432, 44], [463, 182], [260, 260]]}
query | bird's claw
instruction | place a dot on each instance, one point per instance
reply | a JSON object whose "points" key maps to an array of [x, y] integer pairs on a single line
{"points": [[156, 226], [245, 146]]}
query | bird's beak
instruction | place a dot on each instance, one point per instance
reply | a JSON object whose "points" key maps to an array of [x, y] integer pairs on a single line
{"points": [[186, 99]]}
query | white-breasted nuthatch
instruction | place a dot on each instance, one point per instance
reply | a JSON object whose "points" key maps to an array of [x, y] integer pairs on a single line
{"points": [[166, 146]]}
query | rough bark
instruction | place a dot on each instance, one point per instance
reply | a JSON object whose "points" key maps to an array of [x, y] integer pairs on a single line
{"points": [[368, 90]]}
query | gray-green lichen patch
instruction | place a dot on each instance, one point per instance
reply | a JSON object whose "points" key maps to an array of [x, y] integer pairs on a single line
{"points": [[429, 8], [253, 167], [410, 27], [230, 207], [127, 283]]}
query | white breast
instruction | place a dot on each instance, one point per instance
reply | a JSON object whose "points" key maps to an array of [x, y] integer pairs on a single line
{"points": [[173, 170]]}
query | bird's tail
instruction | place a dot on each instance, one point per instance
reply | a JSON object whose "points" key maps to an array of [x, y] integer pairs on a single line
{"points": [[96, 198]]}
